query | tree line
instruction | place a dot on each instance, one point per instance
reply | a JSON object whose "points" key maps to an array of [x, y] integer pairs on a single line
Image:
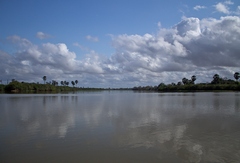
{"points": [[52, 86], [63, 83], [217, 83]]}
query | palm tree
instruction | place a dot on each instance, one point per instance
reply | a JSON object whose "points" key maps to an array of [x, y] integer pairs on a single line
{"points": [[44, 79], [67, 83], [54, 82], [62, 83], [236, 76], [193, 78], [73, 83], [76, 82]]}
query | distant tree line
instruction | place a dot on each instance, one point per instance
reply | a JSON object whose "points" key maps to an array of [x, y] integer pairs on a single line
{"points": [[63, 83], [217, 83], [52, 86]]}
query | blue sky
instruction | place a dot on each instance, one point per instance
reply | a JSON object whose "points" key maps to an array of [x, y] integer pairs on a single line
{"points": [[105, 43]]}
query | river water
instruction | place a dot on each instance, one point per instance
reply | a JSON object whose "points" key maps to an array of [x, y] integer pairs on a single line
{"points": [[120, 126]]}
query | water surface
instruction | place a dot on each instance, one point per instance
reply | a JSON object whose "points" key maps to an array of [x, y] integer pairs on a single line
{"points": [[120, 126]]}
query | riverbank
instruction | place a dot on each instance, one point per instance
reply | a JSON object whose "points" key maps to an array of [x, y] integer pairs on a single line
{"points": [[190, 87], [18, 87]]}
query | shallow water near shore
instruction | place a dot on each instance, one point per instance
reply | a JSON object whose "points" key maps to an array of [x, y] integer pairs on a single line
{"points": [[120, 126]]}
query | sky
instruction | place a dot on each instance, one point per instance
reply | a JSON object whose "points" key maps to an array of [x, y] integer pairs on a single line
{"points": [[119, 43]]}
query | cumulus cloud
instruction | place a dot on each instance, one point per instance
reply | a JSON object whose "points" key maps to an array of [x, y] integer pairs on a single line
{"points": [[42, 35], [54, 60], [198, 7], [191, 47], [92, 38]]}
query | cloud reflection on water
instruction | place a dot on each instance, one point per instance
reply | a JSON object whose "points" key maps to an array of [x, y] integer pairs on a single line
{"points": [[192, 127]]}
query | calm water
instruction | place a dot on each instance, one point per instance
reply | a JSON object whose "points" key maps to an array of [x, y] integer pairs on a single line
{"points": [[119, 126]]}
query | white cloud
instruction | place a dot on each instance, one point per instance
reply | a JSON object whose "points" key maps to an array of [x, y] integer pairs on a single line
{"points": [[201, 47], [52, 60], [189, 27], [220, 7], [198, 7], [224, 7], [92, 38], [192, 45], [20, 42], [42, 35]]}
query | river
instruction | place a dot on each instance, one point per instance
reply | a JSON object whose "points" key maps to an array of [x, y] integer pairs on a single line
{"points": [[120, 126]]}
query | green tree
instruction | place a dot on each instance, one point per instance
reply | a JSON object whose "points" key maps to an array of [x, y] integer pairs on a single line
{"points": [[44, 79], [236, 76], [162, 87], [179, 83], [55, 83], [216, 79], [184, 81]]}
